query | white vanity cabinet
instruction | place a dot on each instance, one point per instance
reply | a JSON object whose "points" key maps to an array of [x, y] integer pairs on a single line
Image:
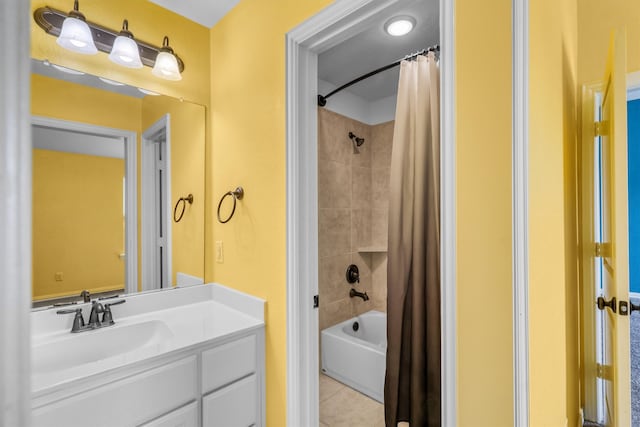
{"points": [[215, 383]]}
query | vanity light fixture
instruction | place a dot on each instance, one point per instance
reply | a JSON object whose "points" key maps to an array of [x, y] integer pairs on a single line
{"points": [[121, 47], [399, 25], [166, 66], [125, 50], [75, 34]]}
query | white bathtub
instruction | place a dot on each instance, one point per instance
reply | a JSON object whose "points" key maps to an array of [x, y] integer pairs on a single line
{"points": [[357, 358]]}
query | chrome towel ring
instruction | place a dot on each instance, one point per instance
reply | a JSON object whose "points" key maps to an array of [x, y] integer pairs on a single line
{"points": [[184, 201], [237, 194]]}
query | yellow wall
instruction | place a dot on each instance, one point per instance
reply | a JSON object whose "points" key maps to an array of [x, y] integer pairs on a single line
{"points": [[248, 111], [483, 199], [147, 22], [248, 115], [78, 225], [553, 287], [187, 126], [596, 19]]}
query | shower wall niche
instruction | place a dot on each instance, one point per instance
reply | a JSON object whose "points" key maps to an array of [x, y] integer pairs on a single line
{"points": [[353, 199]]}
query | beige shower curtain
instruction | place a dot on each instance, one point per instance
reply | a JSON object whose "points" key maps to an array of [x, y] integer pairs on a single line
{"points": [[412, 383]]}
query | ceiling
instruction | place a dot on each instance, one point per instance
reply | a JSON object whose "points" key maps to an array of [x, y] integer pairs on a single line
{"points": [[204, 12], [374, 48]]}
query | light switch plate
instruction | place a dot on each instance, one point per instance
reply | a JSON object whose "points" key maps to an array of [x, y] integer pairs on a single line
{"points": [[219, 252]]}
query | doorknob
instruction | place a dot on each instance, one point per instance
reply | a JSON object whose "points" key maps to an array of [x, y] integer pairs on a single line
{"points": [[602, 303], [634, 307]]}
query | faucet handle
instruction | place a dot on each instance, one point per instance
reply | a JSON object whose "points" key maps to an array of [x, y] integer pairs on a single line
{"points": [[69, 311], [107, 317], [78, 320]]}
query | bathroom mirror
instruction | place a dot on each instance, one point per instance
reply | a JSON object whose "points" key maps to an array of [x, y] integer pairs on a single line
{"points": [[118, 187]]}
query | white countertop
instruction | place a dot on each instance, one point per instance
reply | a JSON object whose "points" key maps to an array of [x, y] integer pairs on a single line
{"points": [[194, 316]]}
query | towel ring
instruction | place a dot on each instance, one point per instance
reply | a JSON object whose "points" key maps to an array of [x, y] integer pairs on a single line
{"points": [[237, 194], [184, 201]]}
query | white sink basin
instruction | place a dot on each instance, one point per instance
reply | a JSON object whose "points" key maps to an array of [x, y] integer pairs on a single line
{"points": [[91, 346]]}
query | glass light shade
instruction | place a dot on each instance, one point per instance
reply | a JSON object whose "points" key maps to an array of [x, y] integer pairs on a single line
{"points": [[125, 52], [76, 36], [166, 67]]}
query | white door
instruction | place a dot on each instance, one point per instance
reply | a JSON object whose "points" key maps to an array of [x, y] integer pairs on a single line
{"points": [[611, 249], [156, 206]]}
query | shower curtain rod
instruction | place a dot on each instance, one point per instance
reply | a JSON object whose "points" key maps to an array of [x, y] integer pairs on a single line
{"points": [[322, 100]]}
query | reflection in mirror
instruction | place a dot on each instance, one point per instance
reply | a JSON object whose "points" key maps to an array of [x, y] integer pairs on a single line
{"points": [[110, 162]]}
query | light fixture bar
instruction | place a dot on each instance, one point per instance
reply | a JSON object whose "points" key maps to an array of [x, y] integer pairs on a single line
{"points": [[50, 20]]}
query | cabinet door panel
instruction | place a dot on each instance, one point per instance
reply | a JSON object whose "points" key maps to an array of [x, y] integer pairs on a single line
{"points": [[187, 416], [232, 406], [227, 363]]}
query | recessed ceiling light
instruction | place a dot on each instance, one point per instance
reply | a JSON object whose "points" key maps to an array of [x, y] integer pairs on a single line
{"points": [[399, 25], [111, 82], [67, 70], [148, 92]]}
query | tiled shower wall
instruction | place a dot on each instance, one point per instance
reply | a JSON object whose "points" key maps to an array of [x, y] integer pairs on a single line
{"points": [[353, 202]]}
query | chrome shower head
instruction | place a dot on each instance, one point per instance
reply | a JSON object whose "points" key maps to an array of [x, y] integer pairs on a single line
{"points": [[357, 142]]}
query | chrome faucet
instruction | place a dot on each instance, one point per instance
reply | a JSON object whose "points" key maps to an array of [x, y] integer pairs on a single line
{"points": [[86, 296], [96, 310], [94, 317], [363, 295]]}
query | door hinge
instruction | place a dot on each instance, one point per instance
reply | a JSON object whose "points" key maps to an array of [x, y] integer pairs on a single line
{"points": [[316, 302], [604, 371], [602, 250], [601, 128]]}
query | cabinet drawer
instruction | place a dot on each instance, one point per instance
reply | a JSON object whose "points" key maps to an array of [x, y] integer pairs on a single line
{"points": [[233, 406], [126, 402], [225, 364], [187, 416]]}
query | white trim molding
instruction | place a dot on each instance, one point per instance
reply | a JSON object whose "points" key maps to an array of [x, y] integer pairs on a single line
{"points": [[336, 23], [131, 194], [15, 214], [150, 270], [448, 293], [520, 194]]}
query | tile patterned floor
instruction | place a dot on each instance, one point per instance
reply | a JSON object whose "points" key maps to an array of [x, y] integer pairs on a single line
{"points": [[341, 406]]}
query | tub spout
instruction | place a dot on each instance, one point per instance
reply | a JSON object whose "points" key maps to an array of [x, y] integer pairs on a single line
{"points": [[363, 295]]}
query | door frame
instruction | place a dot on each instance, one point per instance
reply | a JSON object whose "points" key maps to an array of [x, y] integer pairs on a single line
{"points": [[331, 26], [520, 210], [131, 181], [15, 214], [147, 187]]}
